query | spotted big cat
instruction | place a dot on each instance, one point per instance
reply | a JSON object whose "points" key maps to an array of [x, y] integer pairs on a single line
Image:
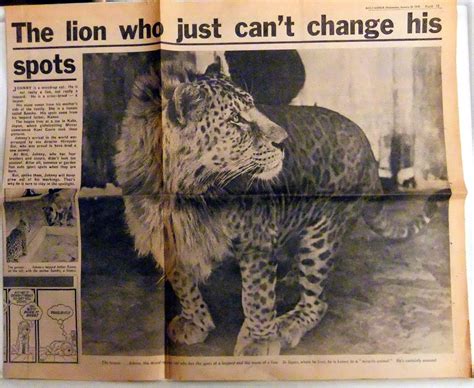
{"points": [[208, 174]]}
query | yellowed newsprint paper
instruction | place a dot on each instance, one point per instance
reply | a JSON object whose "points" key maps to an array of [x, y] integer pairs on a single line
{"points": [[233, 190]]}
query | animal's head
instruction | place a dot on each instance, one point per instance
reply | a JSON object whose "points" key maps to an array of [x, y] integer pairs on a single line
{"points": [[25, 225], [50, 215], [220, 134], [66, 349], [24, 328]]}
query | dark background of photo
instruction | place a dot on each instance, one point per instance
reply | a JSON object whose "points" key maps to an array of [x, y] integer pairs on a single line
{"points": [[122, 297]]}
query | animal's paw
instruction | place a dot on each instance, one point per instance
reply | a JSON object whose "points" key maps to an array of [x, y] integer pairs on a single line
{"points": [[290, 332], [291, 327], [257, 348], [247, 346], [184, 331]]}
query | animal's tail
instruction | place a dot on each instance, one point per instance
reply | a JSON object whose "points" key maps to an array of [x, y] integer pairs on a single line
{"points": [[382, 222]]}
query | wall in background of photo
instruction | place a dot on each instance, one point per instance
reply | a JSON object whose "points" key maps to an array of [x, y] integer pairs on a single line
{"points": [[108, 82], [393, 94]]}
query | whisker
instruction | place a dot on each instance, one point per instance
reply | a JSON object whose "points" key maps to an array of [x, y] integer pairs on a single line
{"points": [[241, 172], [232, 174], [250, 182]]}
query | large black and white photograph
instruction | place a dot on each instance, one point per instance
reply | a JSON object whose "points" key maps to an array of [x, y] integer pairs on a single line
{"points": [[255, 203]]}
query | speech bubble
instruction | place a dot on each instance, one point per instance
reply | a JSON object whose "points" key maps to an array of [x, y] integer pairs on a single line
{"points": [[31, 312], [21, 297], [60, 312]]}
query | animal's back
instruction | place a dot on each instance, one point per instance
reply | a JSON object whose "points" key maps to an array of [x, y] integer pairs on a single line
{"points": [[325, 153], [16, 243]]}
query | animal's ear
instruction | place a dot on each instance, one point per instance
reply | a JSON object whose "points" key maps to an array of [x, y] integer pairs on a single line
{"points": [[188, 104], [214, 70]]}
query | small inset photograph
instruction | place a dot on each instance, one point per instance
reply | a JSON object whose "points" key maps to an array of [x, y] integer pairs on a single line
{"points": [[41, 226]]}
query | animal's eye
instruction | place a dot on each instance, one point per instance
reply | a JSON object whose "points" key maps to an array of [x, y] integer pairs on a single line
{"points": [[235, 118]]}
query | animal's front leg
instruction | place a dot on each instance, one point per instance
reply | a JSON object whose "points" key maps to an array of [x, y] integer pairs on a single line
{"points": [[23, 247], [194, 322], [315, 260], [258, 334]]}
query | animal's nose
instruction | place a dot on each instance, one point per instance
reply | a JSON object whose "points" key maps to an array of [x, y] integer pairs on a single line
{"points": [[279, 134], [270, 129], [277, 145]]}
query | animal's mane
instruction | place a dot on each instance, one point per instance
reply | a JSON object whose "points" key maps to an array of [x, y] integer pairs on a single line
{"points": [[139, 159], [139, 170]]}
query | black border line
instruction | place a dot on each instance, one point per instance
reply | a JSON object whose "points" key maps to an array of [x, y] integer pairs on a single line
{"points": [[224, 43], [6, 320], [44, 80], [37, 352], [9, 326]]}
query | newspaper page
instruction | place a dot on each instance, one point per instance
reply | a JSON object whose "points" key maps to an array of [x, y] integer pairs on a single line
{"points": [[233, 190]]}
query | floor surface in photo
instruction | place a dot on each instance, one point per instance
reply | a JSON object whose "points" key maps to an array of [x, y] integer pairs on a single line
{"points": [[384, 298]]}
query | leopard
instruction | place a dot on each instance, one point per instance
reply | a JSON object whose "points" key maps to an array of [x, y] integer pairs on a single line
{"points": [[17, 241], [208, 174]]}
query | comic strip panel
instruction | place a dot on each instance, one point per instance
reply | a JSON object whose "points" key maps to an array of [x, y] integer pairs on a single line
{"points": [[24, 313], [6, 319], [57, 330]]}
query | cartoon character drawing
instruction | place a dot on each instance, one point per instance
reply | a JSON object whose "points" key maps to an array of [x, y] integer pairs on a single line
{"points": [[23, 338], [61, 348]]}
